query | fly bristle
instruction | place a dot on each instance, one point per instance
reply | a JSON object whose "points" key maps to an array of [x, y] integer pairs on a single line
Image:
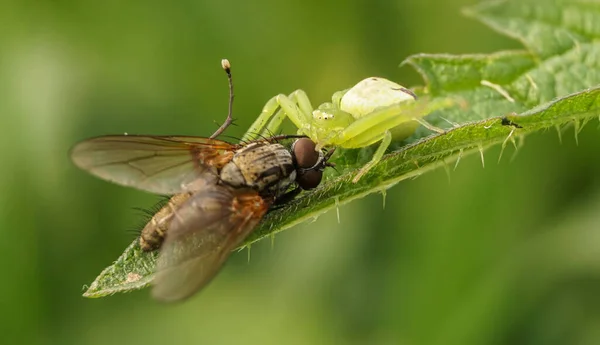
{"points": [[146, 215], [233, 138], [261, 136]]}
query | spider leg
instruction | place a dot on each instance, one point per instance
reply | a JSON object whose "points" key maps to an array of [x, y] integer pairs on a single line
{"points": [[296, 107], [385, 143]]}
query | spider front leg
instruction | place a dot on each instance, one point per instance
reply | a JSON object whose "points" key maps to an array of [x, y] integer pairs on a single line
{"points": [[296, 107]]}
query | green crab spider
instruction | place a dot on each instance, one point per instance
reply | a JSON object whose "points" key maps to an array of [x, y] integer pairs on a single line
{"points": [[374, 110]]}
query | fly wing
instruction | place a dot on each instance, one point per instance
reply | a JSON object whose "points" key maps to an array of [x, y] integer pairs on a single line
{"points": [[204, 231], [157, 164]]}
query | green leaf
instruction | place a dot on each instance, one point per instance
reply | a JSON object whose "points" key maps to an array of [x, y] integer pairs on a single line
{"points": [[504, 96]]}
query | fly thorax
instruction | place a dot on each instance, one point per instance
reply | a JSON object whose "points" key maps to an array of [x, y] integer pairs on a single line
{"points": [[232, 175], [281, 186], [267, 168]]}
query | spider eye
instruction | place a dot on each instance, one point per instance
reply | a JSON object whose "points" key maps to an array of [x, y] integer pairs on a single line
{"points": [[305, 154], [309, 179]]}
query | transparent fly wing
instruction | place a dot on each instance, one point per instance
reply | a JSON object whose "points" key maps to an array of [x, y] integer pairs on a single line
{"points": [[204, 231], [157, 164]]}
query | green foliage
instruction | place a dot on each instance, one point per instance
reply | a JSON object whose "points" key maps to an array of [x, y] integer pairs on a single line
{"points": [[504, 96]]}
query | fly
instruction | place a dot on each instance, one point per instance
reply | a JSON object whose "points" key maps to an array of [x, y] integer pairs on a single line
{"points": [[220, 191]]}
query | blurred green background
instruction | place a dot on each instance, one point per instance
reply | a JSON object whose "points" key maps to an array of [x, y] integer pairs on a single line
{"points": [[509, 254]]}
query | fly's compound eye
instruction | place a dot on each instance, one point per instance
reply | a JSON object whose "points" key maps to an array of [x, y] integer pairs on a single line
{"points": [[309, 179], [308, 162], [305, 154]]}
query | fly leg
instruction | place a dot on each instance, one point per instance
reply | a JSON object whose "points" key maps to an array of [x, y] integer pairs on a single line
{"points": [[227, 67], [285, 198]]}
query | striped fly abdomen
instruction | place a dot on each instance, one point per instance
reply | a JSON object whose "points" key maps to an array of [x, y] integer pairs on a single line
{"points": [[153, 234]]}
